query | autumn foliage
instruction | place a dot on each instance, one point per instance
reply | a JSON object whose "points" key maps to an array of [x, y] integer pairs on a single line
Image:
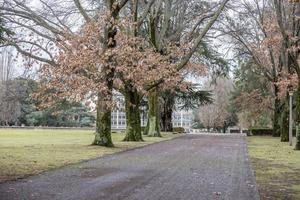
{"points": [[84, 61]]}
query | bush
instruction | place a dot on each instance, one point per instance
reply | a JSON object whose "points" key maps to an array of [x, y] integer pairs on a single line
{"points": [[175, 129], [87, 122], [261, 131], [235, 131], [265, 131], [179, 130]]}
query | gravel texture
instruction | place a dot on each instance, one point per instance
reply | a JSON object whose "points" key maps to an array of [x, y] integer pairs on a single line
{"points": [[192, 167]]}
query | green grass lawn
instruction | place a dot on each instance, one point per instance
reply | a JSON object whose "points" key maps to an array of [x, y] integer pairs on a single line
{"points": [[28, 152], [277, 168]]}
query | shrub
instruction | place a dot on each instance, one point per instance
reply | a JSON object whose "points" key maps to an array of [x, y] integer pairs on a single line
{"points": [[179, 130], [266, 131], [261, 131]]}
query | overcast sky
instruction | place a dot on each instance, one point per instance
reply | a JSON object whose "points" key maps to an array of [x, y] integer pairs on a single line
{"points": [[222, 48]]}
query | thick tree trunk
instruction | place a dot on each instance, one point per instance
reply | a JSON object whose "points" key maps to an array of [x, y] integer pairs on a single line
{"points": [[154, 125], [166, 120], [297, 120], [276, 115], [167, 112], [133, 117], [146, 130], [276, 123], [103, 123], [224, 129], [297, 101], [284, 128], [297, 146]]}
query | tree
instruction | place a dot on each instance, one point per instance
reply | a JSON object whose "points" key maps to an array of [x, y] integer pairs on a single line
{"points": [[286, 16], [252, 95], [272, 42], [130, 88], [257, 36], [288, 21], [46, 25], [54, 35], [10, 89], [190, 99], [103, 125], [9, 105], [173, 32], [217, 115]]}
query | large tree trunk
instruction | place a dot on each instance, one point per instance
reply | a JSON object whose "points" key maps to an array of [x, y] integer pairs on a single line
{"points": [[146, 129], [224, 128], [284, 128], [166, 120], [167, 112], [276, 115], [154, 125], [297, 146], [103, 123], [297, 101], [297, 120], [133, 117]]}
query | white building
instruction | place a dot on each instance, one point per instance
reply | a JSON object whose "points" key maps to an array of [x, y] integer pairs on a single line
{"points": [[181, 118]]}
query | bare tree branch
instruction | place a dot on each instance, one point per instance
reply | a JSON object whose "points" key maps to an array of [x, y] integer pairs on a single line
{"points": [[82, 11]]}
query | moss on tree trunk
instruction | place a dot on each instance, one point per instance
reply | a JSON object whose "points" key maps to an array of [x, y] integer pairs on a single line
{"points": [[153, 115], [297, 146], [284, 127], [276, 119], [133, 117], [297, 120], [297, 101], [103, 124], [103, 121]]}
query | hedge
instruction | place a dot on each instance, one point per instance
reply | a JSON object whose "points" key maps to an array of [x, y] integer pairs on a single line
{"points": [[265, 131], [175, 129], [179, 130]]}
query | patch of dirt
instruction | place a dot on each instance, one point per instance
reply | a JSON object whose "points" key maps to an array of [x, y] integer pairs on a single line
{"points": [[275, 185]]}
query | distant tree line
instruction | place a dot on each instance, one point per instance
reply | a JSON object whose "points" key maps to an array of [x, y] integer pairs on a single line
{"points": [[18, 107], [221, 113], [265, 37]]}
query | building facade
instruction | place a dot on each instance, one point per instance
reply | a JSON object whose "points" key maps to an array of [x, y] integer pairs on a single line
{"points": [[180, 118]]}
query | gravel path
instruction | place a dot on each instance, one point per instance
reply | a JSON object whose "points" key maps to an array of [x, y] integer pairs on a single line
{"points": [[193, 167]]}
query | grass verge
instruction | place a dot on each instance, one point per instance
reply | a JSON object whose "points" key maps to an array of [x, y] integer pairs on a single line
{"points": [[29, 152], [276, 166]]}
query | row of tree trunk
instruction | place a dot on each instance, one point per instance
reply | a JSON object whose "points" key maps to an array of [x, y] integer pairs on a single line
{"points": [[132, 97], [281, 117], [133, 118]]}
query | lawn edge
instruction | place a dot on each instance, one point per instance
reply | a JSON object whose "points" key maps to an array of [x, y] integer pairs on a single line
{"points": [[22, 178], [252, 171], [251, 166]]}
